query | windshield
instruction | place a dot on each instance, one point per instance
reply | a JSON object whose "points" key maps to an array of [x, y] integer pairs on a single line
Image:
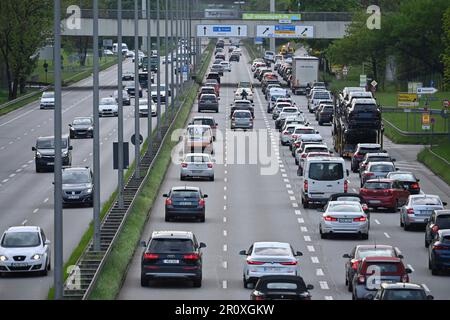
{"points": [[271, 251], [326, 171], [377, 185], [48, 95], [50, 143], [427, 201], [107, 101], [21, 239], [241, 115], [75, 177], [382, 168], [344, 208], [171, 245], [85, 121]]}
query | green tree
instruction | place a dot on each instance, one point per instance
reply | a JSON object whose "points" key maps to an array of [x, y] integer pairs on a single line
{"points": [[25, 26], [446, 54]]}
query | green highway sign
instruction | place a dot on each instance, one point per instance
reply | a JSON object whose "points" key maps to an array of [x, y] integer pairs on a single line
{"points": [[271, 16]]}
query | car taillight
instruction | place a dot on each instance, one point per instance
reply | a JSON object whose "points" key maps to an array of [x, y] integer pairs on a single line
{"points": [[363, 191], [286, 133], [210, 165], [410, 211], [304, 155], [365, 207], [360, 219], [358, 156], [184, 165], [438, 247], [305, 185], [369, 174], [168, 202], [415, 186], [405, 278], [345, 186], [252, 262], [297, 144], [435, 228], [289, 263], [192, 256], [355, 265], [328, 218], [151, 256], [201, 202], [294, 136], [361, 279], [259, 298]]}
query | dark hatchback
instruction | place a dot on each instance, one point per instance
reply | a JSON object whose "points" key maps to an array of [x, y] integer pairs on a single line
{"points": [[208, 102], [281, 287], [185, 202], [234, 57], [44, 153], [82, 127], [439, 220], [439, 252], [77, 186], [408, 179], [361, 150], [172, 255]]}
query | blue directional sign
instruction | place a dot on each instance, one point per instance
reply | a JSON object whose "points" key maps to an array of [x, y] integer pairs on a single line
{"points": [[259, 40], [185, 68], [221, 29], [284, 28], [208, 30]]}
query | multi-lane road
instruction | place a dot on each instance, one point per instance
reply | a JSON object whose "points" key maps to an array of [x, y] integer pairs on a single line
{"points": [[248, 203]]}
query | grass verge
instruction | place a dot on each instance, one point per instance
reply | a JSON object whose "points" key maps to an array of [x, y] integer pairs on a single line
{"points": [[435, 164], [112, 276], [206, 57]]}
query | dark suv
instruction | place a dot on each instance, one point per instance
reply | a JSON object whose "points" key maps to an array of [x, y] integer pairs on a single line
{"points": [[361, 150], [213, 75], [439, 220], [44, 153], [77, 186], [185, 202], [172, 255], [82, 127], [208, 102]]}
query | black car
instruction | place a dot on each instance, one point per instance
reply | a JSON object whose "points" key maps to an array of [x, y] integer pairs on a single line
{"points": [[44, 153], [172, 255], [401, 291], [208, 102], [325, 114], [361, 150], [408, 179], [82, 127], [185, 202], [213, 75], [77, 186], [281, 287], [234, 57], [439, 220]]}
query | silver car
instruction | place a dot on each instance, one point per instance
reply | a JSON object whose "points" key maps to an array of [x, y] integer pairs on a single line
{"points": [[197, 165], [24, 249], [47, 100], [108, 107], [269, 258], [376, 170], [344, 217], [242, 119], [418, 209]]}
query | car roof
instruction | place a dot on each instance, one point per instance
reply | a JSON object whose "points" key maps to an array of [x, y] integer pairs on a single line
{"points": [[369, 145], [188, 188], [336, 195], [374, 246], [444, 233], [377, 154], [342, 202], [442, 212], [172, 234], [381, 180], [87, 117], [196, 154], [24, 229], [201, 117], [401, 285], [64, 136], [381, 163], [326, 159], [418, 196], [364, 101], [198, 126], [206, 87], [316, 146]]}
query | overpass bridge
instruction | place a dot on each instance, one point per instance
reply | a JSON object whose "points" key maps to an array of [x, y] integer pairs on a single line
{"points": [[322, 25]]}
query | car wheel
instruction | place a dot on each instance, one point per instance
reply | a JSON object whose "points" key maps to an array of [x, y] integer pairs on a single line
{"points": [[427, 244], [49, 267], [305, 204], [44, 272], [350, 286], [211, 178], [401, 222], [245, 283], [434, 271], [430, 266], [202, 218], [353, 297], [167, 218], [38, 169], [323, 235], [144, 281], [182, 178], [197, 283], [296, 162], [406, 227], [365, 236]]}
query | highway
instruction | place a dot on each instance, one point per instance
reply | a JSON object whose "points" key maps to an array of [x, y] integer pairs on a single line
{"points": [[245, 205], [27, 196]]}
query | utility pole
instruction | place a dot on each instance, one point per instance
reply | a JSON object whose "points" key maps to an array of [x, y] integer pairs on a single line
{"points": [[158, 73], [120, 105], [58, 217], [173, 47], [149, 86], [166, 68], [272, 40], [177, 39], [137, 140]]}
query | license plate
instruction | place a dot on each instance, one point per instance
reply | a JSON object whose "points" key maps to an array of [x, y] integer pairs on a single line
{"points": [[185, 203], [345, 220], [19, 264], [171, 261], [374, 201], [74, 197], [271, 269], [50, 163], [425, 212]]}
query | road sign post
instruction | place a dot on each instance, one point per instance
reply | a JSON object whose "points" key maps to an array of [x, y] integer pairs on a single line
{"points": [[137, 149], [120, 144]]}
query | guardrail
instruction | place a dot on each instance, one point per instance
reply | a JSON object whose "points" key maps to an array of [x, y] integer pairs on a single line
{"points": [[439, 157], [414, 134], [24, 97]]}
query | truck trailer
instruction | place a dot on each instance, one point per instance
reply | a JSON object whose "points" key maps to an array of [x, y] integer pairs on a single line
{"points": [[304, 70]]}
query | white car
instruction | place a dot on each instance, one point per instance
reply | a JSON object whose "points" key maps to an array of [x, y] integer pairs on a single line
{"points": [[269, 258], [129, 54], [226, 66], [162, 92], [344, 217], [238, 50], [108, 52], [47, 100], [238, 94], [108, 107], [198, 165], [25, 249], [143, 108]]}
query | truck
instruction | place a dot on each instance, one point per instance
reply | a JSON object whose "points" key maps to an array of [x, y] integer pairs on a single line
{"points": [[358, 123], [304, 70], [153, 63]]}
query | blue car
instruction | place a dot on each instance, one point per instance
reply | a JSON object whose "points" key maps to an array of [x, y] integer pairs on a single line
{"points": [[439, 252]]}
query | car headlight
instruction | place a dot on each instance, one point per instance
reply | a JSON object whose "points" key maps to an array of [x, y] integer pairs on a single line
{"points": [[89, 190], [38, 154], [65, 153], [3, 258], [36, 256], [90, 128]]}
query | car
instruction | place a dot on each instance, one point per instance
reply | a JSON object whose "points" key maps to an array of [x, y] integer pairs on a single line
{"points": [[384, 193], [242, 119], [129, 54], [131, 89], [213, 83], [44, 152], [418, 209], [108, 107], [377, 170], [208, 102], [408, 179], [185, 202], [107, 52], [25, 249], [198, 138], [143, 108], [439, 220], [245, 84], [206, 90], [281, 287], [302, 153], [286, 133], [77, 186], [226, 66], [439, 252], [301, 163], [344, 217], [269, 258], [218, 50], [389, 269], [47, 100], [401, 291], [217, 68], [325, 114], [213, 75], [269, 56], [162, 93], [238, 51], [360, 252], [234, 57], [128, 76], [350, 197], [242, 105], [317, 96], [125, 97], [268, 87], [298, 133], [204, 120], [238, 94], [231, 48], [82, 127], [374, 157], [197, 165], [285, 112], [360, 152], [303, 139], [172, 255]]}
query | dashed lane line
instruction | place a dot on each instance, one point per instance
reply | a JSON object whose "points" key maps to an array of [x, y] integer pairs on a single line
{"points": [[315, 260], [319, 272], [324, 285]]}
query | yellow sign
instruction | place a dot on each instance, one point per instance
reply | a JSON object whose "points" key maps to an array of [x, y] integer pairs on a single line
{"points": [[408, 100], [426, 121]]}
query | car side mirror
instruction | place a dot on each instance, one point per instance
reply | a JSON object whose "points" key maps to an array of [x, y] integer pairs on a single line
{"points": [[393, 160], [205, 196], [298, 254], [408, 270], [348, 172], [243, 253], [70, 148], [165, 195], [47, 242], [347, 256], [70, 125], [430, 297], [142, 243], [202, 245], [444, 203], [309, 287], [400, 256], [418, 180], [369, 296], [33, 148]]}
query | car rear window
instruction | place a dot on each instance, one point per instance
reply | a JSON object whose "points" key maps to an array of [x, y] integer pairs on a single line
{"points": [[271, 251], [282, 286], [197, 159], [171, 246], [346, 198], [344, 208], [184, 194], [404, 294], [305, 131], [364, 150], [377, 185], [242, 115], [382, 168], [443, 221], [426, 201], [328, 109], [316, 149], [403, 177], [362, 253], [378, 159], [385, 267], [326, 171]]}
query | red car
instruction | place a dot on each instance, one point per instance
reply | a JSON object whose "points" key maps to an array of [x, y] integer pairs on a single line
{"points": [[384, 193], [213, 83]]}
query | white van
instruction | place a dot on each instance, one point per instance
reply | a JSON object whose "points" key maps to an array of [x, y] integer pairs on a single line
{"points": [[124, 48], [322, 177]]}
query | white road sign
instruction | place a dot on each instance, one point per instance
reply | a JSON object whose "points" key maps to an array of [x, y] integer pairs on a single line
{"points": [[426, 90], [210, 30], [284, 31]]}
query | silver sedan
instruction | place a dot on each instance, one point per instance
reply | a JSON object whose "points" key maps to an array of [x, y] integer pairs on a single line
{"points": [[197, 165], [269, 258], [344, 217], [418, 209]]}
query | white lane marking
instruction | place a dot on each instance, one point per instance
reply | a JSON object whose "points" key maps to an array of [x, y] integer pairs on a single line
{"points": [[376, 221], [292, 198], [288, 186], [11, 142], [24, 222], [12, 175], [224, 207], [224, 284], [31, 161], [36, 210], [307, 238], [298, 212], [5, 180], [410, 266], [225, 265], [284, 175], [225, 188], [224, 233], [45, 200], [290, 192], [84, 160], [225, 180], [354, 190], [303, 229], [328, 298], [315, 260], [286, 180], [294, 205], [2, 148], [282, 170], [32, 129], [281, 165], [225, 248], [324, 285], [311, 248], [319, 272], [300, 220], [224, 219], [90, 154], [387, 235], [225, 197], [24, 165], [226, 173], [425, 287], [18, 170]]}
